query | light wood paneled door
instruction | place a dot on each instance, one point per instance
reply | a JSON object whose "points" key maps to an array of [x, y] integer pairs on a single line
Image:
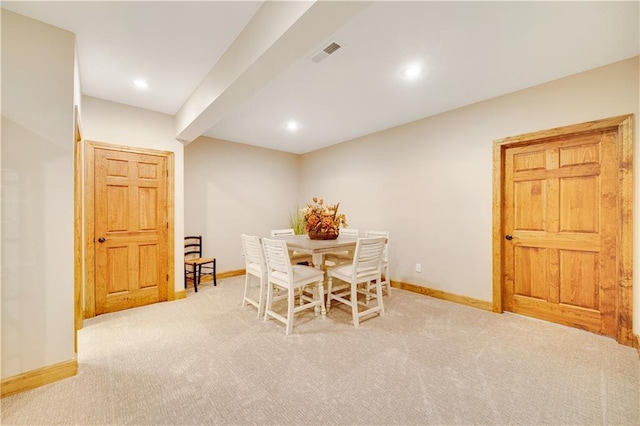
{"points": [[561, 225], [130, 229]]}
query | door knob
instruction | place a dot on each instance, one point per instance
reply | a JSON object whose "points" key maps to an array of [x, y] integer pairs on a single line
{"points": [[102, 239], [509, 237]]}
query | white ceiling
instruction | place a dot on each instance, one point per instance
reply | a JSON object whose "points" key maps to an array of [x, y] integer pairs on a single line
{"points": [[470, 51]]}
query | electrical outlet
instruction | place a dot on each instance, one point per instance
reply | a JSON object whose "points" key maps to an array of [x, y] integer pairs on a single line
{"points": [[418, 267]]}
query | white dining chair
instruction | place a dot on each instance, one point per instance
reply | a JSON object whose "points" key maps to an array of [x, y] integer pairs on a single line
{"points": [[386, 276], [365, 269], [281, 274], [342, 257], [293, 255], [256, 268]]}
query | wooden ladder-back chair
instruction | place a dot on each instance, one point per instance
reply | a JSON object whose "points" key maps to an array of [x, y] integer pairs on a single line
{"points": [[195, 266]]}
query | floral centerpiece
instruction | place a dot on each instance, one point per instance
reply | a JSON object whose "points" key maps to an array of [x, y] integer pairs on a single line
{"points": [[322, 221]]}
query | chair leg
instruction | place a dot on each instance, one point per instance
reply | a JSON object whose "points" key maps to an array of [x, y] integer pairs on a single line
{"points": [[354, 304], [269, 304], [323, 309], [261, 294], [215, 283], [387, 280], [246, 289], [261, 297], [196, 277], [379, 296], [329, 283], [185, 275], [290, 305]]}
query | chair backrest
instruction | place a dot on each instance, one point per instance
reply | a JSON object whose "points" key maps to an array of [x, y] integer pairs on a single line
{"points": [[252, 250], [349, 231], [385, 234], [368, 256], [378, 234], [278, 263], [192, 246], [288, 231]]}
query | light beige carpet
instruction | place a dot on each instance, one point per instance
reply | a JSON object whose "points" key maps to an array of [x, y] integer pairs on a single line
{"points": [[206, 360]]}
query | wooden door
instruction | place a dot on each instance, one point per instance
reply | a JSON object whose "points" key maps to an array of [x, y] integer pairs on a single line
{"points": [[130, 229], [562, 229]]}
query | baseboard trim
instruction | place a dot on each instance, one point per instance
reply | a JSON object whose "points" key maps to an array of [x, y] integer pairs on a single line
{"points": [[39, 377], [182, 294], [230, 274], [636, 342], [221, 275], [438, 294]]}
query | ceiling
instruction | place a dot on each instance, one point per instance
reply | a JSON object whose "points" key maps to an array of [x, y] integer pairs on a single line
{"points": [[239, 70]]}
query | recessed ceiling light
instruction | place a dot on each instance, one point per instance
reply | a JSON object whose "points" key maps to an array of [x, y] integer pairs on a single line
{"points": [[140, 84], [411, 71], [292, 125]]}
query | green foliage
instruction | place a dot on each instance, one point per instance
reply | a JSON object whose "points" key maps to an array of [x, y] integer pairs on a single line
{"points": [[296, 221]]}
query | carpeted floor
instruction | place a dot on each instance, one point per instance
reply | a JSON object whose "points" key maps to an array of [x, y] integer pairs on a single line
{"points": [[206, 360]]}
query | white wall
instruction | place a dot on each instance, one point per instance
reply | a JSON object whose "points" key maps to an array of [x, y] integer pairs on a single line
{"points": [[231, 189], [430, 182], [118, 124], [37, 195]]}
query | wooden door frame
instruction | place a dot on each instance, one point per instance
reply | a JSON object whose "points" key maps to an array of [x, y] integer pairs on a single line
{"points": [[89, 216], [624, 126]]}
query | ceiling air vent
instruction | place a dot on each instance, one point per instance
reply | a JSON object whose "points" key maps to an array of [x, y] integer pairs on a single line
{"points": [[331, 48], [328, 50]]}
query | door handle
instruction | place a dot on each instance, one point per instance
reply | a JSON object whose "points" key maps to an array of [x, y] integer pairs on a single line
{"points": [[102, 239], [509, 237]]}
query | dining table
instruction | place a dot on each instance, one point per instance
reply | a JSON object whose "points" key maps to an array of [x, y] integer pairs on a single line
{"points": [[318, 248]]}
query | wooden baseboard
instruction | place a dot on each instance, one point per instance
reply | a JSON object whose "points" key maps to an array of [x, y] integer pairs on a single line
{"points": [[39, 377], [230, 274], [182, 294], [636, 342], [209, 278], [438, 294], [221, 275]]}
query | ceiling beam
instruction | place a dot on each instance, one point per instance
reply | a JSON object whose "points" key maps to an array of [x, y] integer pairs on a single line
{"points": [[278, 35]]}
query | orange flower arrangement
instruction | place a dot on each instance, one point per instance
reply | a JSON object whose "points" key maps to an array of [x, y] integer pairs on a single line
{"points": [[322, 221]]}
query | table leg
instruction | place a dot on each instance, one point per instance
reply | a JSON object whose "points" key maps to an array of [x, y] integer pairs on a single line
{"points": [[321, 297], [318, 260]]}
